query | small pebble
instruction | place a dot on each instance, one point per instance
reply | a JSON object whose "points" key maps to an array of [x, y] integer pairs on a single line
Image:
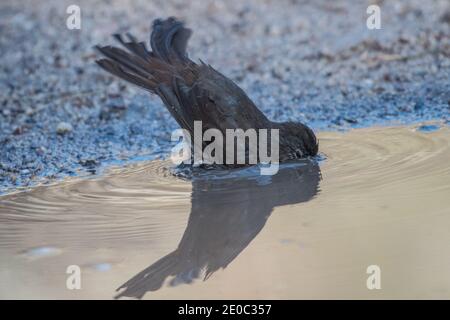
{"points": [[63, 128]]}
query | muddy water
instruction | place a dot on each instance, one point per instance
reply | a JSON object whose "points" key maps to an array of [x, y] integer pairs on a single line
{"points": [[381, 197]]}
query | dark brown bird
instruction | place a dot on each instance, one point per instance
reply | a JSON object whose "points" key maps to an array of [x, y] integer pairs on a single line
{"points": [[193, 92]]}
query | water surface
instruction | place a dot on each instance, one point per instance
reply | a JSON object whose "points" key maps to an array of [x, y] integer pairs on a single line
{"points": [[380, 197]]}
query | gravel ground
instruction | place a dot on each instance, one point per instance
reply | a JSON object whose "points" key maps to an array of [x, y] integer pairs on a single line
{"points": [[310, 61]]}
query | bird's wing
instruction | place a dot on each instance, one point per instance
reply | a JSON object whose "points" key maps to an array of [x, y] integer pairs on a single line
{"points": [[222, 104]]}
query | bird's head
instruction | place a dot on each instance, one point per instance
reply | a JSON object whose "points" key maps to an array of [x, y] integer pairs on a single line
{"points": [[297, 140]]}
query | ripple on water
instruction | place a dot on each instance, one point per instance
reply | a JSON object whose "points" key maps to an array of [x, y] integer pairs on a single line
{"points": [[381, 157], [144, 202], [127, 203]]}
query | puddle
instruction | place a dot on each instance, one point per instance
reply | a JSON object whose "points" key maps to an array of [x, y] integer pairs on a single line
{"points": [[381, 197], [428, 128]]}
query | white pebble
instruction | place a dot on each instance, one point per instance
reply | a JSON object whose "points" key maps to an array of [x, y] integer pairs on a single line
{"points": [[64, 127]]}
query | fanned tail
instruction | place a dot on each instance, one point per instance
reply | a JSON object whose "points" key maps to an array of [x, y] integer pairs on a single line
{"points": [[158, 71], [169, 40], [149, 69]]}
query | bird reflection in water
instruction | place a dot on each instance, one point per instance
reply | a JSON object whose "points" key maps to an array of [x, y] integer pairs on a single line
{"points": [[229, 209]]}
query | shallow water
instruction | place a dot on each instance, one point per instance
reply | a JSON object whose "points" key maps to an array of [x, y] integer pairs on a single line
{"points": [[381, 197]]}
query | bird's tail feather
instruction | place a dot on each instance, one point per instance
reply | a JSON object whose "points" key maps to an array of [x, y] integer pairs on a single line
{"points": [[169, 40], [148, 69]]}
